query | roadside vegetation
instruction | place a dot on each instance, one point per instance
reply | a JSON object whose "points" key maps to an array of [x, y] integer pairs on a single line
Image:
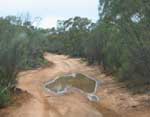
{"points": [[21, 47]]}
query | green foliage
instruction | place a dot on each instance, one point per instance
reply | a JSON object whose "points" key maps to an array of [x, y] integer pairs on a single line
{"points": [[70, 35], [4, 96], [21, 47], [132, 23]]}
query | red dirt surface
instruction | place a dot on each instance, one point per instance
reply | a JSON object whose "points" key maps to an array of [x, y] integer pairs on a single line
{"points": [[115, 100]]}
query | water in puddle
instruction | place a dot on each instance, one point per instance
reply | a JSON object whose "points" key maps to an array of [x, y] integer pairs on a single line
{"points": [[76, 80]]}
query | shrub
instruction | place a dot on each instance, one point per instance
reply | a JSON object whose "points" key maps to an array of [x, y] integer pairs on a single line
{"points": [[4, 96], [21, 47]]}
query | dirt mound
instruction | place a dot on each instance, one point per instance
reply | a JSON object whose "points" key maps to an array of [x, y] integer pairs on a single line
{"points": [[19, 98]]}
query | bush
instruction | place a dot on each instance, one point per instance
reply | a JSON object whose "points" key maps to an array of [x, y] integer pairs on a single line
{"points": [[137, 68], [4, 96], [21, 47]]}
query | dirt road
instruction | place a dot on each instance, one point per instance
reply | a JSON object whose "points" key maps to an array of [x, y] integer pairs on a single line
{"points": [[115, 101]]}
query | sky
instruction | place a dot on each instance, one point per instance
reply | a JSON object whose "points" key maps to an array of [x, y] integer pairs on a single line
{"points": [[50, 10]]}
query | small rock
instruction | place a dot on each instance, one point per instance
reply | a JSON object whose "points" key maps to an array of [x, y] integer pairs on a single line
{"points": [[93, 97]]}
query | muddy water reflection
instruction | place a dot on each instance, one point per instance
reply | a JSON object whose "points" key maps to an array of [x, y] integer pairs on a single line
{"points": [[76, 80]]}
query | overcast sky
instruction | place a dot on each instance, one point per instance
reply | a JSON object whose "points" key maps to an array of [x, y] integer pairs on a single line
{"points": [[50, 10]]}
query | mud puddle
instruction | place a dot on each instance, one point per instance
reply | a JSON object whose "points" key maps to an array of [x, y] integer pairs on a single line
{"points": [[84, 84]]}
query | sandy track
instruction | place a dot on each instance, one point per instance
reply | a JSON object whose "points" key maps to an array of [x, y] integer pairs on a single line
{"points": [[115, 101], [44, 104]]}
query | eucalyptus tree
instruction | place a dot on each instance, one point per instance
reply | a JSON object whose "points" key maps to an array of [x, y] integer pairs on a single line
{"points": [[131, 19]]}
